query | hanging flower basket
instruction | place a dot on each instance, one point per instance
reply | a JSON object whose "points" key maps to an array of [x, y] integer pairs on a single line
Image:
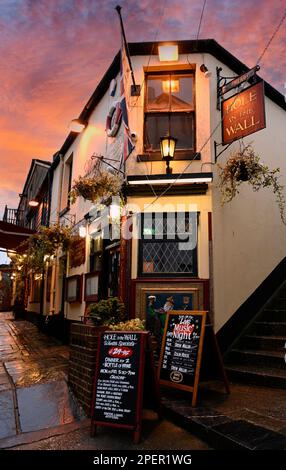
{"points": [[39, 247], [245, 166], [95, 188]]}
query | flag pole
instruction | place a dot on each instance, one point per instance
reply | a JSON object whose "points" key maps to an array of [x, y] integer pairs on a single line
{"points": [[135, 87]]}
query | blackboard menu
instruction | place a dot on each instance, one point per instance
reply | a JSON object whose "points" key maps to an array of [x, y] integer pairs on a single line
{"points": [[181, 349], [117, 378]]}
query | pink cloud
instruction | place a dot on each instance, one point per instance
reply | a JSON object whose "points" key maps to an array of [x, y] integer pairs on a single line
{"points": [[54, 52]]}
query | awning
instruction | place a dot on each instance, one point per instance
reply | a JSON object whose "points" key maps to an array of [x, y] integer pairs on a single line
{"points": [[12, 235]]}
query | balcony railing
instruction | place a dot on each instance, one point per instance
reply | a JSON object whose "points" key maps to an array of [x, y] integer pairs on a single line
{"points": [[14, 216]]}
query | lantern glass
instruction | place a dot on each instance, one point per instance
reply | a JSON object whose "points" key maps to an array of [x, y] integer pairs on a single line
{"points": [[168, 145]]}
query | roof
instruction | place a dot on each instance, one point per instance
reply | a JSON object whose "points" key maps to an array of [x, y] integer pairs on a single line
{"points": [[35, 161], [209, 46]]}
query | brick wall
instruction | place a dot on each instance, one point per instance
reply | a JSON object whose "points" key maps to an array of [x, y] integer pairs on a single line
{"points": [[83, 349]]}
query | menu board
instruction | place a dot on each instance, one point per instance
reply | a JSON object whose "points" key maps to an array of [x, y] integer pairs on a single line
{"points": [[118, 385], [182, 349]]}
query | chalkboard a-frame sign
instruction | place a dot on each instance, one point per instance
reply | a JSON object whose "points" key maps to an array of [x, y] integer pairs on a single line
{"points": [[181, 352], [122, 360]]}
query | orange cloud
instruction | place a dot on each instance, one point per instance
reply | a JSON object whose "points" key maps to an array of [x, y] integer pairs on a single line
{"points": [[53, 53]]}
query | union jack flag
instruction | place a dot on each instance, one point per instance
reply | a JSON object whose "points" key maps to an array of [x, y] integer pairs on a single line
{"points": [[124, 73]]}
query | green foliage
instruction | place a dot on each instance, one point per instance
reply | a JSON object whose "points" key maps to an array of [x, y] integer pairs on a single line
{"points": [[135, 324], [106, 312], [40, 246], [245, 166], [94, 188]]}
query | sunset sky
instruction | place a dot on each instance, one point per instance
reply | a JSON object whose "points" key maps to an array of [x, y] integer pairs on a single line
{"points": [[54, 52]]}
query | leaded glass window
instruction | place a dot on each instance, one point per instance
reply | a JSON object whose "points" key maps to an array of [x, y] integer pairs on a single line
{"points": [[168, 244]]}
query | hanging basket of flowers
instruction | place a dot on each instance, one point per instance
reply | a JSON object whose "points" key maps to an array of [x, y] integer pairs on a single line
{"points": [[40, 246], [97, 187], [245, 166]]}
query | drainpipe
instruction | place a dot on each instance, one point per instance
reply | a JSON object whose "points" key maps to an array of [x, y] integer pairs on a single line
{"points": [[56, 261]]}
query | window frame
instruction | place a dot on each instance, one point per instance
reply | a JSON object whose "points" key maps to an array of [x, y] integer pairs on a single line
{"points": [[78, 296], [179, 154], [141, 242]]}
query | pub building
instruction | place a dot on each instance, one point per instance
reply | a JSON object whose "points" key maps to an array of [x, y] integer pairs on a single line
{"points": [[187, 250]]}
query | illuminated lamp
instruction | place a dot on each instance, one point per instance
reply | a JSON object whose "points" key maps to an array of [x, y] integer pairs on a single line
{"points": [[76, 126], [168, 53], [168, 146], [33, 203]]}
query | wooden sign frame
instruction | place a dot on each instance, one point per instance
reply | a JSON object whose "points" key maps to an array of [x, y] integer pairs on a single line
{"points": [[145, 353], [194, 388]]}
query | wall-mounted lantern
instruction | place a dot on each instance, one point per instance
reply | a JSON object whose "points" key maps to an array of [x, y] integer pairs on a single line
{"points": [[76, 126], [168, 146]]}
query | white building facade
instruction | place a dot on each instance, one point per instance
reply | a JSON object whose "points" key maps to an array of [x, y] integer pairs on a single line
{"points": [[228, 251]]}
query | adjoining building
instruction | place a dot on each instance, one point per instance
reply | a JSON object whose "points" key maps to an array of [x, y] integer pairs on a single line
{"points": [[18, 224]]}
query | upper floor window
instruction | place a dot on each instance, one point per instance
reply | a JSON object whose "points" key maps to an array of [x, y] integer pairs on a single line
{"points": [[169, 107]]}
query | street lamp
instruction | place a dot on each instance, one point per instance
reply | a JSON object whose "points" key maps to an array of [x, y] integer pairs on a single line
{"points": [[168, 145]]}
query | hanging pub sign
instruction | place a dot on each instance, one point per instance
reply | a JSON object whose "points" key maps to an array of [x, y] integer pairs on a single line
{"points": [[125, 374], [181, 351], [243, 113], [77, 252]]}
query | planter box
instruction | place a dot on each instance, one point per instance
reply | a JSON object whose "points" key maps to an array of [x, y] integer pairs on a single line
{"points": [[83, 350]]}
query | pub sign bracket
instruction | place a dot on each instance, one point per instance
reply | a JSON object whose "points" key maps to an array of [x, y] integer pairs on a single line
{"points": [[223, 85]]}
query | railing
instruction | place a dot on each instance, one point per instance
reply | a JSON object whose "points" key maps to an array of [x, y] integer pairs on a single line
{"points": [[14, 216]]}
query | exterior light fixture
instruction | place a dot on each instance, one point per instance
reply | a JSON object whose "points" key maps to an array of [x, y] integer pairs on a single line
{"points": [[168, 145], [114, 211], [33, 203], [82, 231], [205, 71], [76, 126], [168, 53]]}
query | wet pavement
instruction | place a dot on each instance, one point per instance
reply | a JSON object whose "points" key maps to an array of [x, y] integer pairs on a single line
{"points": [[33, 380], [37, 410]]}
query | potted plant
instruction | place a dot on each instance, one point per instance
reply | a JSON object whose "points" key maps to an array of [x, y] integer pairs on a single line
{"points": [[94, 188], [106, 312], [245, 166]]}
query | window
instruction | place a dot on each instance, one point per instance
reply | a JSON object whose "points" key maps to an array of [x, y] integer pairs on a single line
{"points": [[91, 287], [169, 107], [36, 289], [74, 288], [95, 258], [168, 244], [67, 182]]}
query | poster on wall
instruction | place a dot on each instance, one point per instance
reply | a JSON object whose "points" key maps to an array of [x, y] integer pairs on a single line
{"points": [[159, 303]]}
